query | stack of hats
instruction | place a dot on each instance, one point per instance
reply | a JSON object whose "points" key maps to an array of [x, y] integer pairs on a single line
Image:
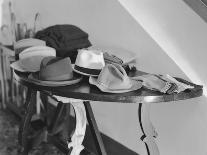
{"points": [[30, 58], [23, 44], [66, 39]]}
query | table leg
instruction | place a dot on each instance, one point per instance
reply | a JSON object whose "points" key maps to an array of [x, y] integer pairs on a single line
{"points": [[25, 122], [2, 78], [94, 129], [147, 128], [52, 129]]}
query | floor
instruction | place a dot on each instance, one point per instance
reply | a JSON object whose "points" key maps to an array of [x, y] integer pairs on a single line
{"points": [[9, 144], [8, 138]]}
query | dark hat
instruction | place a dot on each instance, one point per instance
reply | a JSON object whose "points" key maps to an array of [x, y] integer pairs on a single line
{"points": [[66, 39], [55, 71]]}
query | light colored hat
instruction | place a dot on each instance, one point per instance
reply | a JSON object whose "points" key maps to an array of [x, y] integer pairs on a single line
{"points": [[55, 72], [30, 59], [21, 45], [37, 50], [114, 79], [89, 62], [124, 54]]}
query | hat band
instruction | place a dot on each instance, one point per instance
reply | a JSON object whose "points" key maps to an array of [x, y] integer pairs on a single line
{"points": [[87, 70]]}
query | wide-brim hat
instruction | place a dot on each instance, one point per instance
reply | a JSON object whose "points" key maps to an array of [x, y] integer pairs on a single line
{"points": [[30, 58], [55, 72], [113, 79], [37, 50], [34, 78], [30, 64], [89, 62]]}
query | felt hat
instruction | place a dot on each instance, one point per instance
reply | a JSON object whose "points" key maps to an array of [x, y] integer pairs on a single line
{"points": [[30, 58], [113, 79], [65, 38], [23, 44], [55, 71], [89, 62]]}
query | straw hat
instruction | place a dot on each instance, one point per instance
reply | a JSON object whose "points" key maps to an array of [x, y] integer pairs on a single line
{"points": [[37, 50], [23, 44], [114, 79], [30, 58], [89, 62]]}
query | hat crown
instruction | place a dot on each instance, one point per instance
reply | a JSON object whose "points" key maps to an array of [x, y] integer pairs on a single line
{"points": [[37, 50], [92, 59], [55, 69], [114, 77], [23, 44]]}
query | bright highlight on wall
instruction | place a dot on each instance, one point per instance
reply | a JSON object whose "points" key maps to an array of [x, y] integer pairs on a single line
{"points": [[173, 33], [1, 14]]}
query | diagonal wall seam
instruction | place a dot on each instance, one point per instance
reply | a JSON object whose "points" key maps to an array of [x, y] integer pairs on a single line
{"points": [[155, 30]]}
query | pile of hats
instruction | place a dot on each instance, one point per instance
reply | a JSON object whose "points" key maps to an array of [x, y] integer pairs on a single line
{"points": [[38, 55], [49, 60], [29, 53], [41, 61], [60, 57], [105, 70]]}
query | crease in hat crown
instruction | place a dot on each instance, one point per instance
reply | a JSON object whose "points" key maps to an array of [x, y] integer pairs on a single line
{"points": [[89, 61], [114, 77], [56, 69], [37, 50]]}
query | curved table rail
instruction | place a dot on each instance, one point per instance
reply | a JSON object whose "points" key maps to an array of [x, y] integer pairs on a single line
{"points": [[85, 91]]}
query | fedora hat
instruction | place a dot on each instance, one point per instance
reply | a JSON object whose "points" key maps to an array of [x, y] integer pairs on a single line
{"points": [[30, 59], [89, 62], [55, 71], [23, 44], [113, 79]]}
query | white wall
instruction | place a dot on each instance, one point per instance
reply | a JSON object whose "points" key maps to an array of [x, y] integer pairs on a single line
{"points": [[181, 125], [181, 33]]}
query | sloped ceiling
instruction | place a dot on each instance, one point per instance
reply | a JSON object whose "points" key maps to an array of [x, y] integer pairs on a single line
{"points": [[178, 30], [199, 6]]}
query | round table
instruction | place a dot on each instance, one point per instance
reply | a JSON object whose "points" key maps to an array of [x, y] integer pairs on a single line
{"points": [[85, 92]]}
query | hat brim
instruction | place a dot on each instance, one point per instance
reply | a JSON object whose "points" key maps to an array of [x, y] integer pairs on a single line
{"points": [[28, 65], [135, 85], [82, 73], [33, 77]]}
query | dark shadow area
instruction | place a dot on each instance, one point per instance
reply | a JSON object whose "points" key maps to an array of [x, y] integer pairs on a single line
{"points": [[9, 125], [199, 6]]}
